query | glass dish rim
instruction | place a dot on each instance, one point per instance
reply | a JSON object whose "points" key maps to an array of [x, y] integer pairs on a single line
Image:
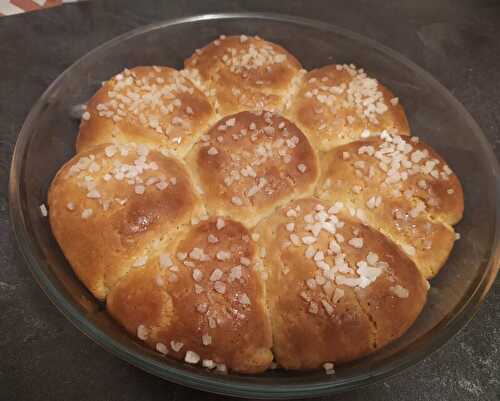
{"points": [[236, 385]]}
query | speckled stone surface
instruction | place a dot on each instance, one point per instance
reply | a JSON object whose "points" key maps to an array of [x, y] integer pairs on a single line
{"points": [[43, 357]]}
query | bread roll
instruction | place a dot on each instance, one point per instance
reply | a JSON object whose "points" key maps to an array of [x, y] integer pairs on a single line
{"points": [[111, 205], [155, 106], [337, 289], [251, 162], [401, 187], [200, 299], [244, 73], [338, 104], [242, 210]]}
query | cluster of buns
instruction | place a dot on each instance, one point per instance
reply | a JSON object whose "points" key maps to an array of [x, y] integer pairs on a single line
{"points": [[243, 213]]}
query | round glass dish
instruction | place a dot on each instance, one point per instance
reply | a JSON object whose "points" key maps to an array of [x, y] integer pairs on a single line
{"points": [[47, 140]]}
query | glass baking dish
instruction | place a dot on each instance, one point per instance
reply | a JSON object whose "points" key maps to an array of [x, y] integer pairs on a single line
{"points": [[47, 140]]}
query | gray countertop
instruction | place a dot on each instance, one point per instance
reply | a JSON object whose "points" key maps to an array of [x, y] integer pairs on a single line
{"points": [[43, 357]]}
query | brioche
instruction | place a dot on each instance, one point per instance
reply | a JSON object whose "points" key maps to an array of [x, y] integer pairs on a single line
{"points": [[244, 73], [337, 289], [156, 106], [110, 205], [338, 104], [401, 187], [201, 294], [251, 162], [243, 213]]}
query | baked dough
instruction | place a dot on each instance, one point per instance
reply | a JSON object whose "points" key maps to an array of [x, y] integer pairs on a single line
{"points": [[111, 205], [339, 103], [156, 106], [200, 294], [251, 162], [245, 73], [243, 213], [337, 289], [403, 188]]}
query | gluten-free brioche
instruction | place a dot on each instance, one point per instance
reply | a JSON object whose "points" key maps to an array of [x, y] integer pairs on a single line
{"points": [[403, 188], [241, 73], [251, 162], [243, 214], [112, 204], [337, 289], [200, 295], [338, 104], [156, 106]]}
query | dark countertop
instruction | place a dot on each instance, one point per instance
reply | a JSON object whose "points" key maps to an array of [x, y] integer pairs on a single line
{"points": [[43, 357]]}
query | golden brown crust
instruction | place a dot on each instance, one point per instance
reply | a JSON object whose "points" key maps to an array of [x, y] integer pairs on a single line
{"points": [[249, 163], [156, 106], [403, 188], [210, 299], [244, 73], [336, 104], [325, 279], [334, 302], [108, 211]]}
